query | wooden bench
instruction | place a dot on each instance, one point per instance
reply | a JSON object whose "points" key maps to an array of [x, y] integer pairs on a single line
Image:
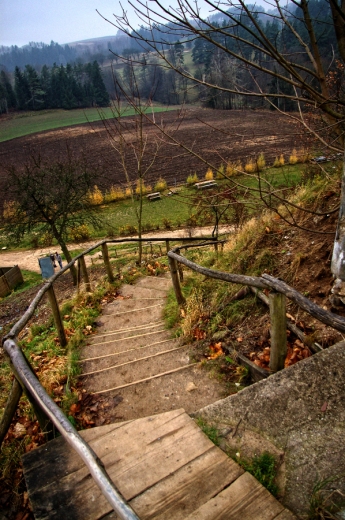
{"points": [[205, 184], [154, 196]]}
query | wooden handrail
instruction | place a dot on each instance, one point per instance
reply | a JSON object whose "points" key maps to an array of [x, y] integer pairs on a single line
{"points": [[26, 380], [70, 434], [30, 383], [266, 282]]}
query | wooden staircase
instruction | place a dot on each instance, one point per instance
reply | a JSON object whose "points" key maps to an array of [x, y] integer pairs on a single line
{"points": [[158, 458], [134, 359], [163, 465]]}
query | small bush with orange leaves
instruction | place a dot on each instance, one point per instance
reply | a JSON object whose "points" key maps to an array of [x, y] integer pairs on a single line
{"points": [[250, 166], [161, 185], [141, 188], [279, 161], [209, 175], [261, 162], [79, 233], [95, 197], [233, 168], [192, 179], [115, 193]]}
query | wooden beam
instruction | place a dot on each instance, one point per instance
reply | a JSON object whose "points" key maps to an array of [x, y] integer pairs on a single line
{"points": [[10, 408], [105, 255], [176, 282], [57, 316], [85, 273], [278, 331]]}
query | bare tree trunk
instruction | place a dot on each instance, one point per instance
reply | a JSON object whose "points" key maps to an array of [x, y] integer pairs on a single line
{"points": [[338, 258], [69, 259]]}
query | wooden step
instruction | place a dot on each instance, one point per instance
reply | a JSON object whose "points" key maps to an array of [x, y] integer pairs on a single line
{"points": [[138, 369], [126, 353], [163, 465]]}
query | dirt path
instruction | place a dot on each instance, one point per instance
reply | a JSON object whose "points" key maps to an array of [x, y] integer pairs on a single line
{"points": [[29, 259], [133, 367]]}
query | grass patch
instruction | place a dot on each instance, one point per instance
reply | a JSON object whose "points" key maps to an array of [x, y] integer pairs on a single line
{"points": [[326, 501], [211, 432], [264, 468], [31, 279], [25, 123]]}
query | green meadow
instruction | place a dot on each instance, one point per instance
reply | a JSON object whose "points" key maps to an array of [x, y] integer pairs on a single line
{"points": [[25, 123]]}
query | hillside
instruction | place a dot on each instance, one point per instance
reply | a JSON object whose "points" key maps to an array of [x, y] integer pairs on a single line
{"points": [[298, 256]]}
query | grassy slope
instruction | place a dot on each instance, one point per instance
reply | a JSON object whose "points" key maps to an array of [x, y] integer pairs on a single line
{"points": [[169, 212]]}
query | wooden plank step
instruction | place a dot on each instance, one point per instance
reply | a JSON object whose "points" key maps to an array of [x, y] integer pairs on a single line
{"points": [[244, 499], [128, 354], [138, 370], [116, 345], [163, 465]]}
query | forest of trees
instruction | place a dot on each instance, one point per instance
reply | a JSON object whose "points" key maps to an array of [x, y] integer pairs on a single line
{"points": [[37, 55], [228, 61], [157, 71], [77, 86]]}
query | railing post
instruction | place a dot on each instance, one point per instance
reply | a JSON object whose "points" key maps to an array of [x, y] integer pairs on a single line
{"points": [[105, 255], [84, 273], [277, 302], [167, 243], [176, 282], [45, 423], [179, 267], [78, 276], [10, 408], [57, 316]]}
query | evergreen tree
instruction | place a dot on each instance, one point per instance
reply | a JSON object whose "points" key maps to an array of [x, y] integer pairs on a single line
{"points": [[22, 89], [36, 93], [7, 95], [101, 96]]}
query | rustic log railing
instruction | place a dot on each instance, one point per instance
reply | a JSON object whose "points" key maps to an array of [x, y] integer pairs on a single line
{"points": [[49, 415], [279, 291]]}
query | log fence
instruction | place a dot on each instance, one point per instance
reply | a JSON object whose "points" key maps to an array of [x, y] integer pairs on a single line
{"points": [[50, 416]]}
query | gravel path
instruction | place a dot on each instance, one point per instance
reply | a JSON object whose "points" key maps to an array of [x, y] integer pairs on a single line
{"points": [[29, 259]]}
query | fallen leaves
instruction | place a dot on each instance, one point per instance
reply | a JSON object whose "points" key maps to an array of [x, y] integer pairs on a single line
{"points": [[296, 351], [87, 330], [91, 410], [215, 351], [198, 334], [156, 268]]}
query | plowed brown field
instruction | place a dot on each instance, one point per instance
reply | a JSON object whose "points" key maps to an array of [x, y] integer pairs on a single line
{"points": [[216, 135]]}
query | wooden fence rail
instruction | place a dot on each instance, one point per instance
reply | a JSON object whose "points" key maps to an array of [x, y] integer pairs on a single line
{"points": [[48, 413], [51, 416], [279, 291]]}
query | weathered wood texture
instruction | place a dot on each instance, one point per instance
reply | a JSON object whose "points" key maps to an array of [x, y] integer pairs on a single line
{"points": [[278, 331], [57, 316], [163, 465], [176, 282], [10, 408], [245, 499], [105, 254], [10, 277]]}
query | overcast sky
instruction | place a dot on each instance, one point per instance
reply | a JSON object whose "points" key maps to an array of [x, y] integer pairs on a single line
{"points": [[64, 21]]}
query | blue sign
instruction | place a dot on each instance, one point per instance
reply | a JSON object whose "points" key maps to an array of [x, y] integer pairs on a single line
{"points": [[47, 268]]}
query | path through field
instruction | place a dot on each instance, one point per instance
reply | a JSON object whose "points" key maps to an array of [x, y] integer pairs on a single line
{"points": [[29, 259]]}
